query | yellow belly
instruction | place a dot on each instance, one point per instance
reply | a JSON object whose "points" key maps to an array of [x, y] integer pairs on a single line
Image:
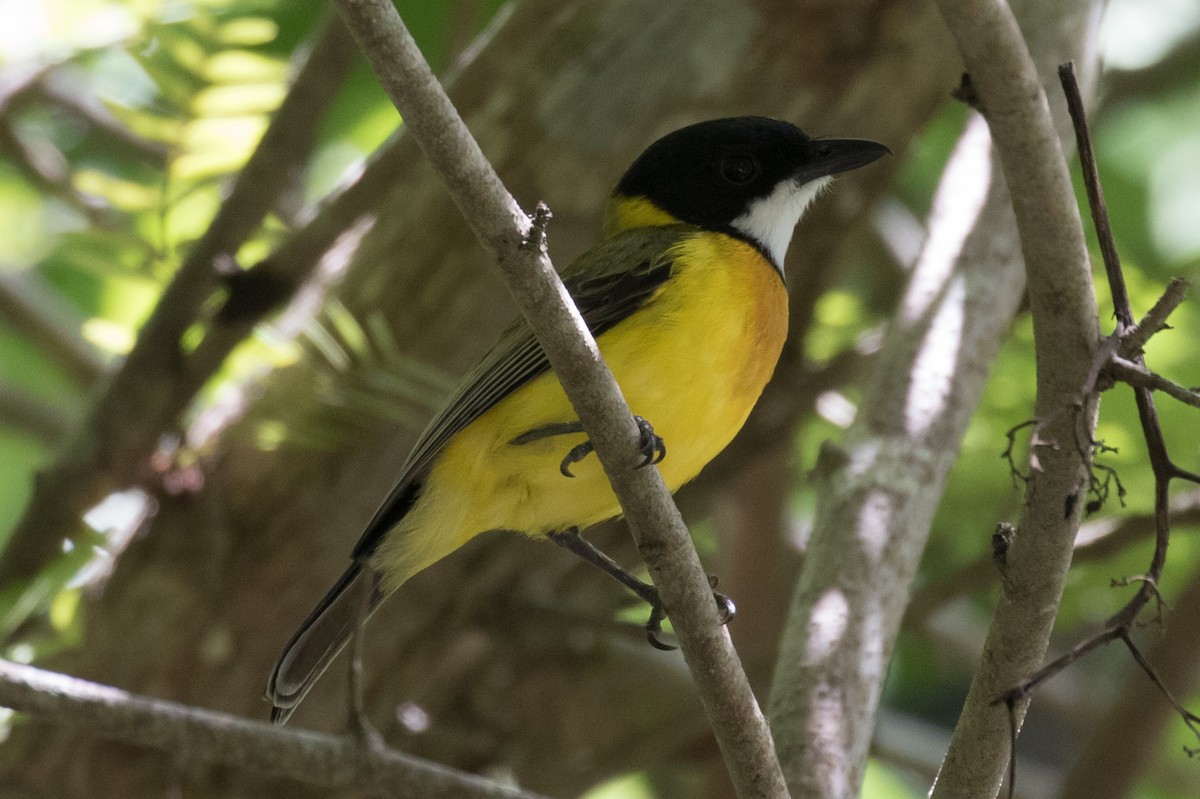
{"points": [[692, 362]]}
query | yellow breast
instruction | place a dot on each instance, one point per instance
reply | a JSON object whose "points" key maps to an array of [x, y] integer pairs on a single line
{"points": [[692, 361]]}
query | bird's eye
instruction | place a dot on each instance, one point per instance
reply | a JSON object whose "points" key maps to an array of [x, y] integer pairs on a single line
{"points": [[739, 169]]}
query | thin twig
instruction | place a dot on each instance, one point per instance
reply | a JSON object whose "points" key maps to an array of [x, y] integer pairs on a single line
{"points": [[518, 246], [197, 735], [1139, 376], [1164, 470], [1155, 319], [1009, 451], [1025, 688], [1097, 540], [1189, 718], [1095, 194]]}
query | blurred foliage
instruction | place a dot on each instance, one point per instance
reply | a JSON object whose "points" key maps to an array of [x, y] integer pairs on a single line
{"points": [[126, 122]]}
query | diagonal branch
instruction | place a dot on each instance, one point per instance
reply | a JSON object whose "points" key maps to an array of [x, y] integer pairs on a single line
{"points": [[1138, 376], [517, 243], [197, 735], [1125, 741], [1156, 318], [42, 317]]}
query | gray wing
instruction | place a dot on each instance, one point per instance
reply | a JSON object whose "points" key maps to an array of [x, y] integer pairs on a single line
{"points": [[608, 284]]}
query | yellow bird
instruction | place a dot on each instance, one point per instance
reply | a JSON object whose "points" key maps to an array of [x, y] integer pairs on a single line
{"points": [[686, 299]]}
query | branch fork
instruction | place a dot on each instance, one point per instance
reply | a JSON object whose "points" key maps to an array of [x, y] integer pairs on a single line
{"points": [[1119, 359]]}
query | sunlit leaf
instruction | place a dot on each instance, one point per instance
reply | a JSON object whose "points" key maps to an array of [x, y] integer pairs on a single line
{"points": [[248, 31], [109, 335]]}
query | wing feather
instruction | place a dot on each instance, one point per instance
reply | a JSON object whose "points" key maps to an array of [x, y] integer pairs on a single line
{"points": [[608, 284]]}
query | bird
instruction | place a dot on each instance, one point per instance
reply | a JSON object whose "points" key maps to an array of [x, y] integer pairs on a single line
{"points": [[687, 300]]}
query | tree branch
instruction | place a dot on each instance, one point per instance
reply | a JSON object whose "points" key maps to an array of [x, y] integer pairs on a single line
{"points": [[878, 492], [1155, 319], [145, 396], [1120, 625], [1139, 376], [47, 170], [1124, 741], [50, 324], [1065, 335], [196, 735], [877, 500], [1097, 540], [517, 243]]}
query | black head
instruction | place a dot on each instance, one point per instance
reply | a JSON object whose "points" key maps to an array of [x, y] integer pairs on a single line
{"points": [[715, 173]]}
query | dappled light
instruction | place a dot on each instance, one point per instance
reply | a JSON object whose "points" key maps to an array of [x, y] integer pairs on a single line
{"points": [[235, 288]]}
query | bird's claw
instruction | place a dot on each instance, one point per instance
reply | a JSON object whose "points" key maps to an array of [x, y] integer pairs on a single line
{"points": [[577, 453], [654, 627], [726, 610], [649, 444]]}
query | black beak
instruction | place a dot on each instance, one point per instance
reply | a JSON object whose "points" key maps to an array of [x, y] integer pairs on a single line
{"points": [[831, 156]]}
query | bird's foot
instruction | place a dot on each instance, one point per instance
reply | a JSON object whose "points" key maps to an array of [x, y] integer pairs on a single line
{"points": [[650, 445], [726, 610], [572, 541]]}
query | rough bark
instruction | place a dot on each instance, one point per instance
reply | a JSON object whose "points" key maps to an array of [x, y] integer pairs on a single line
{"points": [[1066, 331], [880, 487], [193, 735]]}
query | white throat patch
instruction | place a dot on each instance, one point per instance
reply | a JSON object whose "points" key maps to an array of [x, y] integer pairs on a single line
{"points": [[770, 220]]}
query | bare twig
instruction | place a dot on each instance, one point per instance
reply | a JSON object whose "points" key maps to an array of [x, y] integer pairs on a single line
{"points": [[1189, 718], [1009, 454], [519, 248], [1125, 740], [1155, 319], [1097, 540], [1119, 625], [196, 735], [1138, 376], [148, 391]]}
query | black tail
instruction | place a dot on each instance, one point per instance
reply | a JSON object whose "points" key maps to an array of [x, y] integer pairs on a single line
{"points": [[320, 638]]}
